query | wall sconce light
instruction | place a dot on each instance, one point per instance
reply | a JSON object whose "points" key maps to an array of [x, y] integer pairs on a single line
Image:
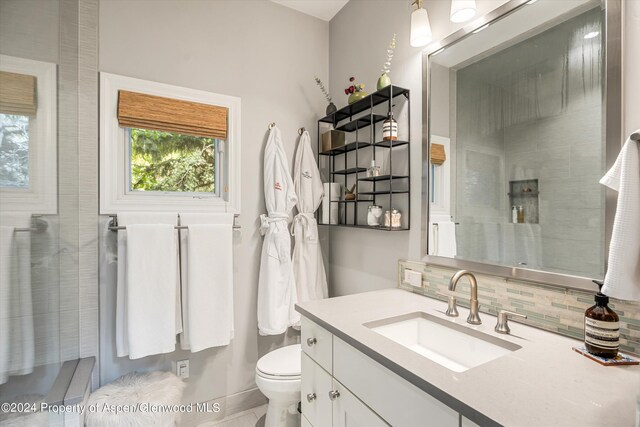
{"points": [[420, 27], [462, 10]]}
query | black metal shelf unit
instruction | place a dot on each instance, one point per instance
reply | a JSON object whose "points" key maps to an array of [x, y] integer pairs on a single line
{"points": [[344, 163]]}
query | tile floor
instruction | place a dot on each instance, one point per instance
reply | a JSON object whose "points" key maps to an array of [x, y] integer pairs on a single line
{"points": [[249, 418]]}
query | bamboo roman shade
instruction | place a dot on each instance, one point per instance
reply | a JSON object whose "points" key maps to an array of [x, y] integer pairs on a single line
{"points": [[18, 94], [138, 110], [437, 154]]}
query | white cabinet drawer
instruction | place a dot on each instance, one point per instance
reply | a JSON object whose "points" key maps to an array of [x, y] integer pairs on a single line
{"points": [[348, 411], [315, 382], [305, 422], [317, 343], [397, 401], [468, 423]]}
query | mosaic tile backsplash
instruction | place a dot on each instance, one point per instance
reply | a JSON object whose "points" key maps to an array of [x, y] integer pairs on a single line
{"points": [[547, 307]]}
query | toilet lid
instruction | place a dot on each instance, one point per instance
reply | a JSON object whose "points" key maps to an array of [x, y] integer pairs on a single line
{"points": [[283, 362]]}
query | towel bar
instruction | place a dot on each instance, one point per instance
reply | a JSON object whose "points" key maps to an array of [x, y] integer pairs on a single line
{"points": [[113, 224], [39, 226]]}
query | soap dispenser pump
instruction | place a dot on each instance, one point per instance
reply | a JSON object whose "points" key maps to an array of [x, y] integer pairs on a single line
{"points": [[601, 327]]}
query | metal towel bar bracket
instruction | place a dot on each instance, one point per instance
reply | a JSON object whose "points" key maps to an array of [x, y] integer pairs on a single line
{"points": [[113, 224]]}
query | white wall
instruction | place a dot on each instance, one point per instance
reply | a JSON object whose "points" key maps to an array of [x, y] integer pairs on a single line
{"points": [[363, 260], [261, 52]]}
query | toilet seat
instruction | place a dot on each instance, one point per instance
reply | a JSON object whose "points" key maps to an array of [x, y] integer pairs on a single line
{"points": [[281, 364]]}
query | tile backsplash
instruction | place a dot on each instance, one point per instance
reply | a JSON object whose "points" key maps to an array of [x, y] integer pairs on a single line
{"points": [[547, 307]]}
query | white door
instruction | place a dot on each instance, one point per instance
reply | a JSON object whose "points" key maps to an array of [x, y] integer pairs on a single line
{"points": [[315, 388]]}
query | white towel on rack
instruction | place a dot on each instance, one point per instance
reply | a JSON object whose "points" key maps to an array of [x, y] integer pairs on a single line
{"points": [[622, 280], [124, 305], [206, 258], [16, 307]]}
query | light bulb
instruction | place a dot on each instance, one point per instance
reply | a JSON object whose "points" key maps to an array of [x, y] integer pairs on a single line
{"points": [[462, 10], [420, 28]]}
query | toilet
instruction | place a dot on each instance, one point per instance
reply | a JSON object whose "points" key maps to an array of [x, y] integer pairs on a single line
{"points": [[278, 378]]}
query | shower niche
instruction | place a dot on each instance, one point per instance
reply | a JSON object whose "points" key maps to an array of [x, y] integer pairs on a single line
{"points": [[526, 194]]}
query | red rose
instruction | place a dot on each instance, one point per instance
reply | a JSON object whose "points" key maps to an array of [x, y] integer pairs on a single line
{"points": [[352, 89], [346, 91], [351, 79]]}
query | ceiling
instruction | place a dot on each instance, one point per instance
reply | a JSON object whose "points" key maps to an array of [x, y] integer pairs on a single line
{"points": [[323, 9]]}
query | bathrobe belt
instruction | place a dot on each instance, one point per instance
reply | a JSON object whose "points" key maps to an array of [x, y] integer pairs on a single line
{"points": [[272, 218], [306, 220]]}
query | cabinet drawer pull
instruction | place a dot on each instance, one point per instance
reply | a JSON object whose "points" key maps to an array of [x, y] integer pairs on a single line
{"points": [[334, 394], [311, 341], [311, 397]]}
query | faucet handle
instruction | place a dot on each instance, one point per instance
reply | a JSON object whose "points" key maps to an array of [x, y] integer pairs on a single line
{"points": [[502, 326], [452, 310]]}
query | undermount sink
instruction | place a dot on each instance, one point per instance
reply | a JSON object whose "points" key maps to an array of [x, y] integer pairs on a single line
{"points": [[453, 346]]}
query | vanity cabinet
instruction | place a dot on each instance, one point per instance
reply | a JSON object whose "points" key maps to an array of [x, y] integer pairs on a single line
{"points": [[351, 389]]}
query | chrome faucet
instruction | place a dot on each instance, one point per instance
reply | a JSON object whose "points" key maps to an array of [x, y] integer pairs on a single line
{"points": [[452, 311]]}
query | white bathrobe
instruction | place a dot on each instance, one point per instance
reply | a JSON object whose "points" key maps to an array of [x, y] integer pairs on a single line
{"points": [[308, 267], [276, 286]]}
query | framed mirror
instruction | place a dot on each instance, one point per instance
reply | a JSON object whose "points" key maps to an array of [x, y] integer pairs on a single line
{"points": [[522, 120]]}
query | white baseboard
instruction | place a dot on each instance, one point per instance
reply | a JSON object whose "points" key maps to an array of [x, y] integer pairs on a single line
{"points": [[228, 405]]}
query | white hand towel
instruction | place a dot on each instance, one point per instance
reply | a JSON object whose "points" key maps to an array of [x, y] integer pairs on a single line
{"points": [[16, 306], [623, 273], [151, 289], [446, 236], [207, 280], [125, 219]]}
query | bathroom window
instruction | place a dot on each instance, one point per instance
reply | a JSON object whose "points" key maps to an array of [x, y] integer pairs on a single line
{"points": [[165, 147], [28, 152], [171, 162]]}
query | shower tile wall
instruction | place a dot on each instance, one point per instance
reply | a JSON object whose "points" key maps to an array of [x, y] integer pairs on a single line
{"points": [[533, 111]]}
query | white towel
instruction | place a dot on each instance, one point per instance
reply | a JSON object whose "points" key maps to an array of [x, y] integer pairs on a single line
{"points": [[123, 308], [443, 237], [206, 258], [16, 306], [622, 280]]}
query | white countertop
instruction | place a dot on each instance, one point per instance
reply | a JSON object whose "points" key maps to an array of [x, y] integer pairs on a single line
{"points": [[545, 383]]}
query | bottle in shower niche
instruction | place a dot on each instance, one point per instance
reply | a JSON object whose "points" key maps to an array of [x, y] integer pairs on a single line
{"points": [[514, 214], [601, 327], [390, 129]]}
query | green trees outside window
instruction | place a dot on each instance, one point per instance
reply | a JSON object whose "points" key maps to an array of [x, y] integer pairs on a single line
{"points": [[166, 161]]}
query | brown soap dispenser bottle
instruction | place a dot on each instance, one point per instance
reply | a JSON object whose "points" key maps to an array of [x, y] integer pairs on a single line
{"points": [[601, 327]]}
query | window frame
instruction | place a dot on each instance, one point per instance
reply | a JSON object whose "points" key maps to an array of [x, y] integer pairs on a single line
{"points": [[41, 196], [115, 193]]}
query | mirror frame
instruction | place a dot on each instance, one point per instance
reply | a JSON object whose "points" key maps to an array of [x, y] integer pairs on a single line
{"points": [[612, 113]]}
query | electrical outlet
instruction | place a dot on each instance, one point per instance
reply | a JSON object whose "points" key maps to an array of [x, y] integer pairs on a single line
{"points": [[414, 278], [182, 369]]}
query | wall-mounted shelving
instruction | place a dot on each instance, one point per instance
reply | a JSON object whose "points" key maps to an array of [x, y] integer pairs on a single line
{"points": [[345, 164]]}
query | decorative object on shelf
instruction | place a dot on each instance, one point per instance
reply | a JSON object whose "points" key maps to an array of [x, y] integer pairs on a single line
{"points": [[330, 204], [355, 91], [349, 193], [462, 10], [390, 129], [331, 108], [437, 154], [373, 170], [420, 27], [393, 218], [384, 79], [332, 139], [374, 213]]}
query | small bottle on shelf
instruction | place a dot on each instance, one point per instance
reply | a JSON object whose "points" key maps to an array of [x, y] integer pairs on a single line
{"points": [[520, 215], [390, 129], [514, 214]]}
